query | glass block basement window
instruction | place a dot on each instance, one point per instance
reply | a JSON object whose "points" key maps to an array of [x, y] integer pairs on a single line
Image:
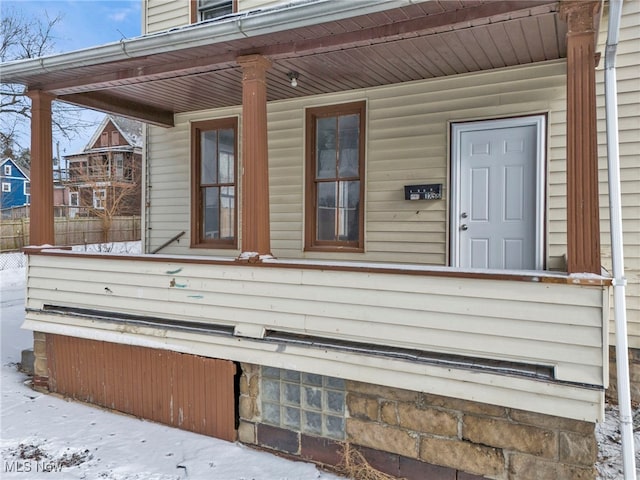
{"points": [[303, 402]]}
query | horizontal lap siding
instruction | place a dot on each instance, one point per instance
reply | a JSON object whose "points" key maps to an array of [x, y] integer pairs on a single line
{"points": [[165, 14], [628, 85], [408, 143], [186, 391], [251, 4], [169, 198], [537, 323], [407, 132]]}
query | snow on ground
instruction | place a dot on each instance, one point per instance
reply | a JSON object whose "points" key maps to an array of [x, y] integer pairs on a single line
{"points": [[130, 248], [44, 436], [609, 464]]}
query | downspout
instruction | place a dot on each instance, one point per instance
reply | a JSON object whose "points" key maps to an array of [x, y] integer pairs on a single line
{"points": [[617, 254]]}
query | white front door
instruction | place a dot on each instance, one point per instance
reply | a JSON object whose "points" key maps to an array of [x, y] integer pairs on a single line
{"points": [[497, 194]]}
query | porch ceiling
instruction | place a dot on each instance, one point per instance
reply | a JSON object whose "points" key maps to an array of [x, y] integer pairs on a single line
{"points": [[411, 42]]}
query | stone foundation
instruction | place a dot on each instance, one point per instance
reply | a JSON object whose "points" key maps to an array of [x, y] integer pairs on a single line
{"points": [[634, 374], [410, 434]]}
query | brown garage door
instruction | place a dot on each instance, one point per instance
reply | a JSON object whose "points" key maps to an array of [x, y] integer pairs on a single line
{"points": [[186, 391]]}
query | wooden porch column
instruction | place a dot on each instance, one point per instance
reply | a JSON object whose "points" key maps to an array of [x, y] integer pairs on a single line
{"points": [[41, 223], [583, 220], [255, 166]]}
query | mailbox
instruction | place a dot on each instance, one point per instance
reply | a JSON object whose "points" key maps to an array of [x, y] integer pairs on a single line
{"points": [[423, 192]]}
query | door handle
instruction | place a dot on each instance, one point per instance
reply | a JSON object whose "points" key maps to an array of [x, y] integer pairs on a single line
{"points": [[464, 227]]}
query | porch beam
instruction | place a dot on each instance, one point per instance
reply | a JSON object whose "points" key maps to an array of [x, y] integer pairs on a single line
{"points": [[41, 223], [135, 75], [120, 106], [255, 162], [583, 221]]}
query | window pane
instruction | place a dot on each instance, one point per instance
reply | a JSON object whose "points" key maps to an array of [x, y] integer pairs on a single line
{"points": [[214, 8], [211, 209], [327, 200], [209, 157], [326, 147], [348, 133], [348, 211], [227, 212], [227, 155]]}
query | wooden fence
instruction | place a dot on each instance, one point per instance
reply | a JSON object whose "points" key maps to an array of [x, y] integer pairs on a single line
{"points": [[14, 234]]}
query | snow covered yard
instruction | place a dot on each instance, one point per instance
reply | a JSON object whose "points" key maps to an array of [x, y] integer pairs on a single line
{"points": [[44, 436]]}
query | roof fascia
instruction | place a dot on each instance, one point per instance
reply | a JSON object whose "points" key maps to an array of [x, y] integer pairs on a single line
{"points": [[15, 165], [114, 121], [97, 133], [248, 24], [124, 134]]}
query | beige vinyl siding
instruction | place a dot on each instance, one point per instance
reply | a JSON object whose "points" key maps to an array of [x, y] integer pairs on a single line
{"points": [[628, 84], [166, 14], [162, 15], [169, 198], [407, 143], [557, 325], [252, 4]]}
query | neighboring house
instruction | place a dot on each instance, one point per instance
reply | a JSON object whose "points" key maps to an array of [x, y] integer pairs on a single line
{"points": [[378, 223], [16, 186], [106, 175]]}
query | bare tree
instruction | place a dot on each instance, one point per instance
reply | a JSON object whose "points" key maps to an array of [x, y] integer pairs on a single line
{"points": [[107, 186], [22, 38]]}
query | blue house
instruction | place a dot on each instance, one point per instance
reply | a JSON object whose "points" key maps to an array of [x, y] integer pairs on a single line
{"points": [[16, 187]]}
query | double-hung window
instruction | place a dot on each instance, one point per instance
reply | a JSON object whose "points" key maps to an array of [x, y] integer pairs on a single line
{"points": [[99, 199], [119, 158], [335, 137], [210, 9], [213, 167]]}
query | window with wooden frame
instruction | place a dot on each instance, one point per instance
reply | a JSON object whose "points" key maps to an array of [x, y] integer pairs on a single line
{"points": [[214, 147], [335, 149]]}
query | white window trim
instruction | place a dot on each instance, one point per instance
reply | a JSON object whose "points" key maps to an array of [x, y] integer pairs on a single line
{"points": [[77, 197], [6, 187], [24, 186], [212, 6], [103, 199], [7, 170]]}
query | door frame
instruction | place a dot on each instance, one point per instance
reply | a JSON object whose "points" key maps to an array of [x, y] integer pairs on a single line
{"points": [[457, 129]]}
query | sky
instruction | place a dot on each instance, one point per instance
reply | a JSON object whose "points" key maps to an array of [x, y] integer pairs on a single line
{"points": [[84, 24]]}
